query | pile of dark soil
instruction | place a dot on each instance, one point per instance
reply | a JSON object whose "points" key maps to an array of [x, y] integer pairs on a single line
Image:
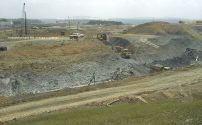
{"points": [[189, 56], [118, 41]]}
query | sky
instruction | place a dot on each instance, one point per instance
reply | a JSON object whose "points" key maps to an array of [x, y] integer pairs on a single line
{"points": [[103, 9]]}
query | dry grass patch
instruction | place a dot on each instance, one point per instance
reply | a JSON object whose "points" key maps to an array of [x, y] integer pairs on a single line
{"points": [[26, 55], [56, 50]]}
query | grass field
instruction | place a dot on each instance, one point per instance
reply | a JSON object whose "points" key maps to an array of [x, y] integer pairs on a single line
{"points": [[166, 113]]}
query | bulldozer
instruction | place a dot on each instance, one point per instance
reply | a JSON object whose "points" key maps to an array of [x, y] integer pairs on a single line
{"points": [[103, 36]]}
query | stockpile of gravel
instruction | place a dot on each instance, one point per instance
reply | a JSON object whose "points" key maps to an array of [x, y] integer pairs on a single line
{"points": [[118, 41]]}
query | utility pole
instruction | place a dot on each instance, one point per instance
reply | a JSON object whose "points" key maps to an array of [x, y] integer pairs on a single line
{"points": [[78, 26], [69, 22], [25, 19]]}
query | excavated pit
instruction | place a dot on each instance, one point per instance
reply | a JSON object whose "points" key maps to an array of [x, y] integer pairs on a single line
{"points": [[174, 51]]}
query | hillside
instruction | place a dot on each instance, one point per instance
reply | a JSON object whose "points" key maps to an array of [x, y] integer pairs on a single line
{"points": [[102, 22], [39, 66], [157, 28]]}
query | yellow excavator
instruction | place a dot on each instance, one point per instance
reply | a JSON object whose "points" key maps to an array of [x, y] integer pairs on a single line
{"points": [[124, 53], [103, 36]]}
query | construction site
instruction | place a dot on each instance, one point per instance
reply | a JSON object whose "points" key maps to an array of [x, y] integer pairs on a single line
{"points": [[69, 64]]}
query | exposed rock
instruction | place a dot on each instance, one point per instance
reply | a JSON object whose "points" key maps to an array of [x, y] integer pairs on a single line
{"points": [[104, 69], [187, 58]]}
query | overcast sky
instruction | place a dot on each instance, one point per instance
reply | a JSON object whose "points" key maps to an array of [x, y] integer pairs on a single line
{"points": [[191, 9]]}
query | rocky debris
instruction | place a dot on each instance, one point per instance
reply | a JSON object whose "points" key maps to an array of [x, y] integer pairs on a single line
{"points": [[10, 86], [120, 74], [133, 99], [118, 41], [187, 58], [157, 67], [170, 47], [111, 67], [5, 86]]}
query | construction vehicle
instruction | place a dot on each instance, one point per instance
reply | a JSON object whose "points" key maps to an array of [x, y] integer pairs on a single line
{"points": [[2, 48], [118, 49], [124, 53], [76, 36], [103, 36], [159, 67]]}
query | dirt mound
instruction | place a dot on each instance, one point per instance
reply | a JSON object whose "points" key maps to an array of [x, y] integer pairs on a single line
{"points": [[157, 28], [31, 68], [187, 58]]}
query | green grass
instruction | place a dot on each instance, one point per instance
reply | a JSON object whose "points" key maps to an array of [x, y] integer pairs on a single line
{"points": [[167, 113]]}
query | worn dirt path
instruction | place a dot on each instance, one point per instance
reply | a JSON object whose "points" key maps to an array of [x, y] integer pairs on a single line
{"points": [[157, 82], [145, 41]]}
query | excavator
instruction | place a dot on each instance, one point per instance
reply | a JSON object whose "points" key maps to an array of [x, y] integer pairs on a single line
{"points": [[124, 53], [104, 37]]}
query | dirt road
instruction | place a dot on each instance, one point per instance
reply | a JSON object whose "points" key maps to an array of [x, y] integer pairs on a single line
{"points": [[157, 82], [145, 41]]}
